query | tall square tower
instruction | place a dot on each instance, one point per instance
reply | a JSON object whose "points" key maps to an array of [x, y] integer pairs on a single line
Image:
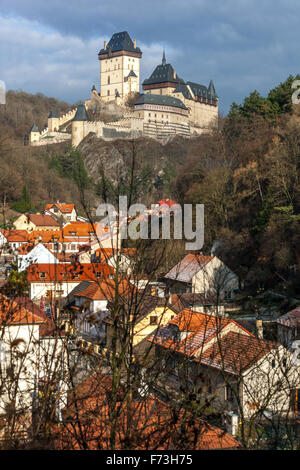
{"points": [[119, 67]]}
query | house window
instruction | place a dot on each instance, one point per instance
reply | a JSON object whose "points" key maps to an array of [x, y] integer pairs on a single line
{"points": [[42, 275], [2, 358], [229, 392], [153, 320]]}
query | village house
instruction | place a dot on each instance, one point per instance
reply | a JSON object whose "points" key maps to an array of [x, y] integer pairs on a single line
{"points": [[30, 354], [30, 222], [141, 317], [220, 363], [288, 327], [56, 281], [30, 254], [63, 210], [88, 304], [200, 274], [123, 258], [11, 240]]}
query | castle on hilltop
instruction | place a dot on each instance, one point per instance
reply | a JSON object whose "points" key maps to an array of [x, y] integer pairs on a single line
{"points": [[169, 105]]}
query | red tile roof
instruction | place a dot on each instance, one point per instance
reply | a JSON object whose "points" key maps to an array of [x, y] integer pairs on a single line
{"points": [[154, 425], [167, 202], [235, 352], [105, 290], [15, 313], [186, 269], [42, 220], [15, 235], [291, 319], [68, 272], [62, 207], [201, 328]]}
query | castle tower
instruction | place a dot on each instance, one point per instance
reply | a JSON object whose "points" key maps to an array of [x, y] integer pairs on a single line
{"points": [[53, 122], [163, 79], [79, 125], [34, 134], [119, 67]]}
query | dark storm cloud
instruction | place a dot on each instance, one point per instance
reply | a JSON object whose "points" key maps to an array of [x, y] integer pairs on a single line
{"points": [[241, 44]]}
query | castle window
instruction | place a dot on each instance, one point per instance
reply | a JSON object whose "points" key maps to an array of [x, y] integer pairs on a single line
{"points": [[108, 80], [108, 92]]}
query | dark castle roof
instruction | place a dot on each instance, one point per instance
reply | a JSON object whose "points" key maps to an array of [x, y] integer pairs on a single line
{"points": [[202, 91], [81, 114], [182, 88], [34, 128], [132, 74], [120, 42], [163, 100], [163, 73], [53, 114]]}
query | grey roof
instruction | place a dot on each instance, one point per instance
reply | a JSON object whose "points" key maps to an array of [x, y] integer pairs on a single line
{"points": [[132, 74], [186, 269], [290, 319], [53, 114], [163, 73], [163, 100], [120, 42], [182, 88], [202, 91], [198, 90], [82, 286], [34, 128], [81, 114], [94, 88], [211, 90]]}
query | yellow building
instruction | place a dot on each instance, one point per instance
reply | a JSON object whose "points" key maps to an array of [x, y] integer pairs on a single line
{"points": [[119, 67], [30, 222], [150, 314]]}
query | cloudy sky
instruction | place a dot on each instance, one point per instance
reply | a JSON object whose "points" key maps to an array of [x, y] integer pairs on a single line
{"points": [[51, 46]]}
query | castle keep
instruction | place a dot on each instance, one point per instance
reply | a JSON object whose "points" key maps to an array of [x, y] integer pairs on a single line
{"points": [[167, 106]]}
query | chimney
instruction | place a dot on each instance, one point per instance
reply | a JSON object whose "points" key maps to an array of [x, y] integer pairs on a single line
{"points": [[105, 45], [134, 43], [259, 329]]}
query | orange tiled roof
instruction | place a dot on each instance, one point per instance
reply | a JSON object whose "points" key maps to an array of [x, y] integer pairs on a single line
{"points": [[167, 202], [80, 229], [155, 424], [62, 207], [13, 312], [25, 248], [42, 220], [235, 352], [105, 290], [15, 235], [68, 272], [201, 328]]}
